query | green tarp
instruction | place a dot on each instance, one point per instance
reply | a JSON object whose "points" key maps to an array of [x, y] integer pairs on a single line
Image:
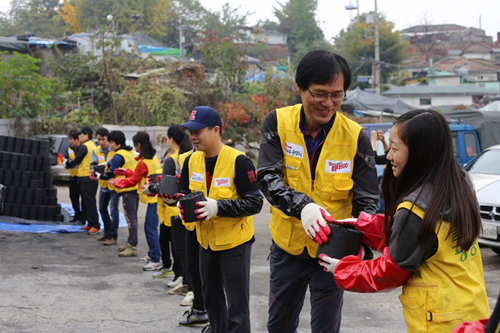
{"points": [[12, 44], [170, 52]]}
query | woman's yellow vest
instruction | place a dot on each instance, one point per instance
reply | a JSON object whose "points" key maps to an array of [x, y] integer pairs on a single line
{"points": [[333, 182], [84, 166], [130, 163], [219, 233], [71, 155], [447, 288], [153, 164], [102, 157]]}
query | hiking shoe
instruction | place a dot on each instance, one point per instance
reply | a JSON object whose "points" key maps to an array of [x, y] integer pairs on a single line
{"points": [[104, 237], [93, 231], [163, 273], [175, 282], [188, 300], [122, 248], [181, 289], [194, 317], [86, 227], [152, 266], [206, 329], [110, 241], [145, 259], [130, 251]]}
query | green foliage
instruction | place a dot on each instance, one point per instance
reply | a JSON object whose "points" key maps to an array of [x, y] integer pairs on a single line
{"points": [[24, 93]]}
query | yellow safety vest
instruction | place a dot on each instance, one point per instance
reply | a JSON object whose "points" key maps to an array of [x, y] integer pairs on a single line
{"points": [[153, 164], [102, 157], [162, 208], [130, 163], [71, 155], [84, 166], [333, 176], [447, 288], [220, 233]]}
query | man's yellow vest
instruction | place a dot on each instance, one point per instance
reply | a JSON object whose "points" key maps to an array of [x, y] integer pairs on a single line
{"points": [[447, 288], [102, 157], [333, 176], [71, 155], [162, 208], [219, 233], [84, 166], [153, 164], [130, 163]]}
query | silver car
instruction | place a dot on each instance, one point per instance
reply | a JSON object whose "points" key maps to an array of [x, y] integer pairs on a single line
{"points": [[485, 172]]}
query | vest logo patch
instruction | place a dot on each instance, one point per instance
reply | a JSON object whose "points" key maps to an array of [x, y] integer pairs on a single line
{"points": [[294, 150], [197, 177], [337, 166], [222, 182]]}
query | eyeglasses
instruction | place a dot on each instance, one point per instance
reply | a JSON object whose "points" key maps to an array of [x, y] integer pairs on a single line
{"points": [[322, 97]]}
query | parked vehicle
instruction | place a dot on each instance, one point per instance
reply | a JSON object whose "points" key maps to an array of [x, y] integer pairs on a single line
{"points": [[57, 145], [485, 172]]}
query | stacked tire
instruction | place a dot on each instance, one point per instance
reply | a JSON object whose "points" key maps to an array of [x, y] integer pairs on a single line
{"points": [[25, 170]]}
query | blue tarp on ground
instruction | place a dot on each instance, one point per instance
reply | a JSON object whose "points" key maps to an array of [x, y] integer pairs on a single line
{"points": [[46, 228]]}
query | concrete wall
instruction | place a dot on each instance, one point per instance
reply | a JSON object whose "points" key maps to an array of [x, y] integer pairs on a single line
{"points": [[447, 81], [437, 100]]}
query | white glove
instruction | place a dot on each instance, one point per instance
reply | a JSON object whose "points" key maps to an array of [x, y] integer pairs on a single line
{"points": [[145, 189], [328, 263], [313, 219], [110, 182], [209, 209]]}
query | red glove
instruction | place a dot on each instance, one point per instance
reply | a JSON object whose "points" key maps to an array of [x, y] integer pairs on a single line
{"points": [[123, 172], [92, 175], [468, 327], [381, 274], [181, 211], [158, 178], [119, 182], [372, 228]]}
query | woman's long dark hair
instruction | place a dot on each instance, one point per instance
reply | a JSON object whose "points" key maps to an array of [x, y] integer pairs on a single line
{"points": [[147, 150], [180, 137], [431, 161]]}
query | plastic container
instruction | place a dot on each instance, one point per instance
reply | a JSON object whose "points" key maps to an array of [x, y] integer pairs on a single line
{"points": [[3, 141], [8, 176], [26, 146], [188, 203], [152, 177], [33, 213], [35, 145], [169, 185], [10, 144], [342, 242], [14, 161], [25, 212], [18, 146]]}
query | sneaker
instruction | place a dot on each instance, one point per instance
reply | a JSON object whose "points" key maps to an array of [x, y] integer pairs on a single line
{"points": [[181, 289], [188, 300], [206, 329], [123, 247], [163, 273], [93, 231], [152, 266], [175, 282], [130, 251], [86, 227], [194, 317], [104, 237], [145, 259], [110, 241]]}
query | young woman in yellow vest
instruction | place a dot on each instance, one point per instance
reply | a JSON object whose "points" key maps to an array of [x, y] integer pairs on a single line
{"points": [[74, 189], [431, 227], [147, 164]]}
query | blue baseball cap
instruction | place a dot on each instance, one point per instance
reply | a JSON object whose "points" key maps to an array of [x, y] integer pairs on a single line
{"points": [[201, 117]]}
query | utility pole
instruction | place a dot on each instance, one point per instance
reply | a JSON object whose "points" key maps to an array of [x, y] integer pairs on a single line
{"points": [[377, 54], [181, 55], [357, 6]]}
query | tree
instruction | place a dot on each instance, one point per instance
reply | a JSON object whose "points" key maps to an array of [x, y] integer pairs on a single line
{"points": [[70, 16], [191, 15], [356, 45]]}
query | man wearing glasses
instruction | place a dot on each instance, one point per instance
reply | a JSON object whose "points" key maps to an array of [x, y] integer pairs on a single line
{"points": [[314, 165]]}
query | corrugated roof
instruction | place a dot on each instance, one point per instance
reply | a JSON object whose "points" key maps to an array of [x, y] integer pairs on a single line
{"points": [[471, 64], [440, 90], [476, 47]]}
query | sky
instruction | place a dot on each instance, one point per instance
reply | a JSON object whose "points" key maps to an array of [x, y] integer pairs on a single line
{"points": [[333, 17]]}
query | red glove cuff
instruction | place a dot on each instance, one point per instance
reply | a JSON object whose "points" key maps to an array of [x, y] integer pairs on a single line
{"points": [[372, 228]]}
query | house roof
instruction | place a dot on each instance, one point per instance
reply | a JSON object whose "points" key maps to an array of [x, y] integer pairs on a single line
{"points": [[476, 47], [440, 90], [471, 64], [433, 28]]}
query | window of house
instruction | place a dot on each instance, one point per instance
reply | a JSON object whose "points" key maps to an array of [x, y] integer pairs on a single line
{"points": [[425, 101]]}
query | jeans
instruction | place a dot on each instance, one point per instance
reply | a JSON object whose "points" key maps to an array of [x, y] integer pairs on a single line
{"points": [[289, 279], [151, 231], [193, 269], [110, 223], [226, 275], [88, 190], [74, 195], [130, 201]]}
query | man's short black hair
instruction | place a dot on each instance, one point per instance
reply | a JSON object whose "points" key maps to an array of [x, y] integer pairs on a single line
{"points": [[102, 132], [118, 137], [73, 134], [321, 66]]}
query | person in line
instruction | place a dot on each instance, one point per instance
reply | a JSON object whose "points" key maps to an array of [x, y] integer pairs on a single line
{"points": [[101, 154], [147, 164], [123, 160], [225, 228], [432, 223], [379, 135], [74, 187], [88, 186], [313, 164]]}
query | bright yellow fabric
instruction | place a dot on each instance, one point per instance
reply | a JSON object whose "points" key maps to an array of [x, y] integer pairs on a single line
{"points": [[219, 233], [101, 157], [162, 208], [333, 176], [71, 155], [447, 288], [84, 166], [153, 164], [130, 163]]}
